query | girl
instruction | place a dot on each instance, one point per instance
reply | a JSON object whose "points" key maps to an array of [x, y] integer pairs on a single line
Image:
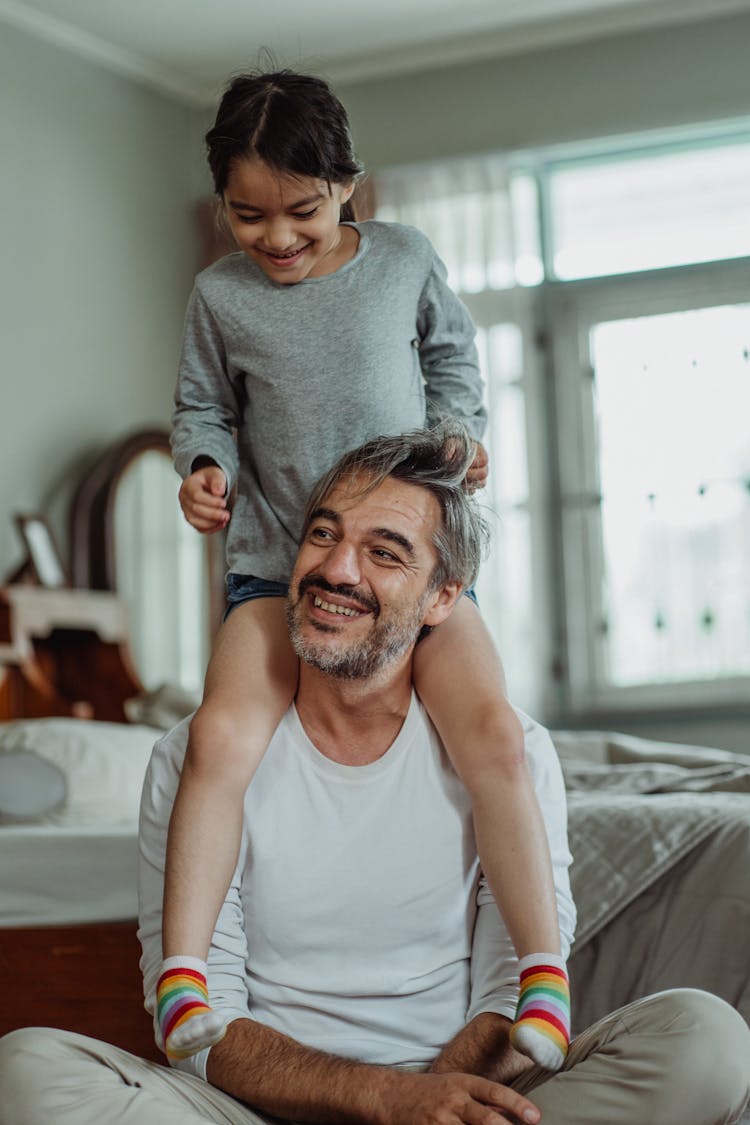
{"points": [[319, 334]]}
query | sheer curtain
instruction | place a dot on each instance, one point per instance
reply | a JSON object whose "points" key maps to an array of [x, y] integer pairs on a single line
{"points": [[464, 207], [480, 215]]}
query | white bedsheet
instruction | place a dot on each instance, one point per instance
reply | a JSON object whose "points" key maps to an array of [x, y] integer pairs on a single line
{"points": [[77, 864], [62, 876]]}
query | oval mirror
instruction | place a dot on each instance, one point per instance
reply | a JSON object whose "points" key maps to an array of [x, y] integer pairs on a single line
{"points": [[162, 574], [129, 535]]}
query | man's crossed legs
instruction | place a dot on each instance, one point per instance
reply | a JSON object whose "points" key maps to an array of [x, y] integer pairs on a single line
{"points": [[677, 1058]]}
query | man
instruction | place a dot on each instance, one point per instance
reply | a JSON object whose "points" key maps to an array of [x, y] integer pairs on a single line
{"points": [[364, 976]]}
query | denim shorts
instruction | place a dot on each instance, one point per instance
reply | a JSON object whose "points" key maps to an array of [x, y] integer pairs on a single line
{"points": [[243, 588]]}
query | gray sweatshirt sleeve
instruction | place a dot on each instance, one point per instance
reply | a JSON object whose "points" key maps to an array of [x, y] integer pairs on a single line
{"points": [[494, 965], [206, 408], [448, 355]]}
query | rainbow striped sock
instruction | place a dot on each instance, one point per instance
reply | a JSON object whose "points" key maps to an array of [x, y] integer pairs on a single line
{"points": [[542, 1026], [187, 1023]]}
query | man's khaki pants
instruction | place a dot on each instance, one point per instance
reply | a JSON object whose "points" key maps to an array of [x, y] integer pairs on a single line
{"points": [[677, 1058]]}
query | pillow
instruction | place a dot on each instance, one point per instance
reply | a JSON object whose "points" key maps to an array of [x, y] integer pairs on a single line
{"points": [[103, 765], [164, 707], [30, 787]]}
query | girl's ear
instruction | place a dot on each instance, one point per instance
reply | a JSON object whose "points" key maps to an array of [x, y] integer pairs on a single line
{"points": [[218, 234], [347, 191]]}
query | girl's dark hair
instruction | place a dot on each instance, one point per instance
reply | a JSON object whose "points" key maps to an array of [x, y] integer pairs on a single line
{"points": [[293, 122]]}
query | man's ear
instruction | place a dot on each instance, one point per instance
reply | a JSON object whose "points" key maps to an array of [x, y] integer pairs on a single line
{"points": [[441, 602]]}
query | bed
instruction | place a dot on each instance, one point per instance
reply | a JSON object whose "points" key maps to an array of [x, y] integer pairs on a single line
{"points": [[660, 835], [69, 793]]}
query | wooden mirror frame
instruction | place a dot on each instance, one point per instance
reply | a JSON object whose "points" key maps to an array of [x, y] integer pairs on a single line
{"points": [[93, 547]]}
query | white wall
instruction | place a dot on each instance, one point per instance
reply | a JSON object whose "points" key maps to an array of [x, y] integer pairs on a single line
{"points": [[626, 83], [98, 255]]}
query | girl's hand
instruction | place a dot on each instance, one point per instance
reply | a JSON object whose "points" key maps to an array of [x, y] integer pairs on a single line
{"points": [[476, 475], [203, 500]]}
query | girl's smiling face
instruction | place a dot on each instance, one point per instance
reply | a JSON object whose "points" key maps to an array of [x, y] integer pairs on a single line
{"points": [[288, 224]]}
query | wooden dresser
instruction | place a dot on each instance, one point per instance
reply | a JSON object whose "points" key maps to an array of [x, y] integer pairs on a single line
{"points": [[64, 652]]}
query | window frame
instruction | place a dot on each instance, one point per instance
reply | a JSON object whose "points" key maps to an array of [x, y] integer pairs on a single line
{"points": [[573, 308], [520, 307]]}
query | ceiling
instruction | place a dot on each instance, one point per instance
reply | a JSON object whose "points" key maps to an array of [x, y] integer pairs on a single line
{"points": [[189, 47]]}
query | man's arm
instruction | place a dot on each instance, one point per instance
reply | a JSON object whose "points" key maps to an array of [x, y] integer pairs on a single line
{"points": [[276, 1075], [483, 1047]]}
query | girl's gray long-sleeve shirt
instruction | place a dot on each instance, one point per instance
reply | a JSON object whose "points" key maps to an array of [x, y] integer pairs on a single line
{"points": [[277, 381]]}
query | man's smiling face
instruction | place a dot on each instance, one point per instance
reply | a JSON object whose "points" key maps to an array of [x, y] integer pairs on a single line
{"points": [[362, 584]]}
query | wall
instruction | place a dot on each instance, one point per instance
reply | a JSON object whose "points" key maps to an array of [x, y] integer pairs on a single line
{"points": [[664, 77], [98, 255]]}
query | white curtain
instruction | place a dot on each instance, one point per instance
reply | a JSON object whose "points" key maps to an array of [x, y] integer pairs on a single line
{"points": [[464, 207]]}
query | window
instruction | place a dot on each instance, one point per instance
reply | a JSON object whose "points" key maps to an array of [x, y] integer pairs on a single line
{"points": [[634, 268], [648, 211], [675, 513], [653, 401]]}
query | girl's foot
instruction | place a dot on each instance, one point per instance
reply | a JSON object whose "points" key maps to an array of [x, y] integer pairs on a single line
{"points": [[542, 1025], [187, 1022]]}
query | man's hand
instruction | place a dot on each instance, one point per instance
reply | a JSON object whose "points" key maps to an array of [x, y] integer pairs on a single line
{"points": [[476, 474], [455, 1099], [203, 499]]}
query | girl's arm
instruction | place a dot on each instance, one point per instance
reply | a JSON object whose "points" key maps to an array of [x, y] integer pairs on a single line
{"points": [[448, 355], [494, 964], [206, 407], [228, 953]]}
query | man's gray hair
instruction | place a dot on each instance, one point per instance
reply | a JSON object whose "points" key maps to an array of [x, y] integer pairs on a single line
{"points": [[436, 459]]}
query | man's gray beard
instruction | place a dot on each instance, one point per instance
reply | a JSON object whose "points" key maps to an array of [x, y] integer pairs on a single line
{"points": [[387, 641]]}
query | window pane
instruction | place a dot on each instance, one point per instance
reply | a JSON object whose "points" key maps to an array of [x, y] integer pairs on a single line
{"points": [[506, 433], [524, 195], [673, 405], [649, 212]]}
